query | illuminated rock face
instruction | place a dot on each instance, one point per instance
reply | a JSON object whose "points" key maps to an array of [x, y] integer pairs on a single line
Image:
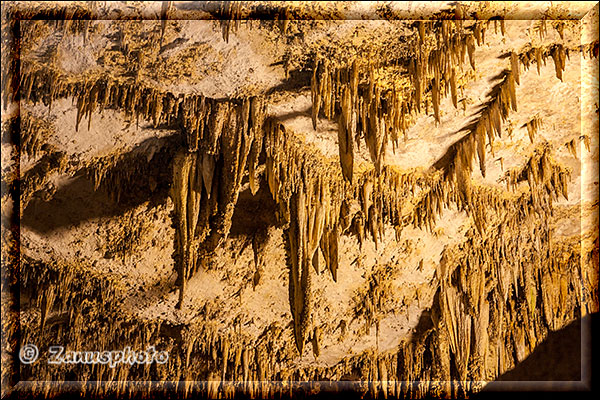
{"points": [[298, 198]]}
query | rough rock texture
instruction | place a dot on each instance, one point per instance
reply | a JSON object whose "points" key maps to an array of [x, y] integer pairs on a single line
{"points": [[395, 199]]}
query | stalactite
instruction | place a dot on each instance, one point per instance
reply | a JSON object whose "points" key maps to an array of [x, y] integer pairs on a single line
{"points": [[38, 177], [164, 16], [316, 340], [533, 126], [453, 88], [186, 195], [514, 66], [257, 116], [300, 277], [470, 44], [559, 56], [346, 135], [540, 27], [586, 141], [34, 133], [229, 14], [541, 171], [590, 49], [570, 145]]}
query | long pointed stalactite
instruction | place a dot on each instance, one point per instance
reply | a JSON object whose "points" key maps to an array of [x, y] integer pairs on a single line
{"points": [[307, 194]]}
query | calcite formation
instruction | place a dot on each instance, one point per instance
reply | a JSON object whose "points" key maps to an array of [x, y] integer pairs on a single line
{"points": [[284, 197]]}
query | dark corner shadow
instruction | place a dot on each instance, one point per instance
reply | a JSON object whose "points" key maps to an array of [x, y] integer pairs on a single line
{"points": [[554, 365], [77, 200]]}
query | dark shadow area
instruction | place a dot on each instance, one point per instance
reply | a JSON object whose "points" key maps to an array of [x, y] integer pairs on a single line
{"points": [[425, 324], [558, 358], [142, 175], [253, 213], [72, 204], [297, 79]]}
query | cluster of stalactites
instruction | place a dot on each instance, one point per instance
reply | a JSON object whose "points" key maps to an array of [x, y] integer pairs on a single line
{"points": [[34, 133], [59, 290], [316, 205], [220, 135], [308, 196], [476, 201], [458, 164], [489, 124], [438, 67], [500, 295], [386, 197], [236, 362], [367, 112], [84, 301], [571, 144], [71, 19], [559, 53], [230, 15], [199, 115], [225, 133], [457, 187], [541, 171], [490, 121], [501, 292], [533, 126], [482, 325], [379, 115]]}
